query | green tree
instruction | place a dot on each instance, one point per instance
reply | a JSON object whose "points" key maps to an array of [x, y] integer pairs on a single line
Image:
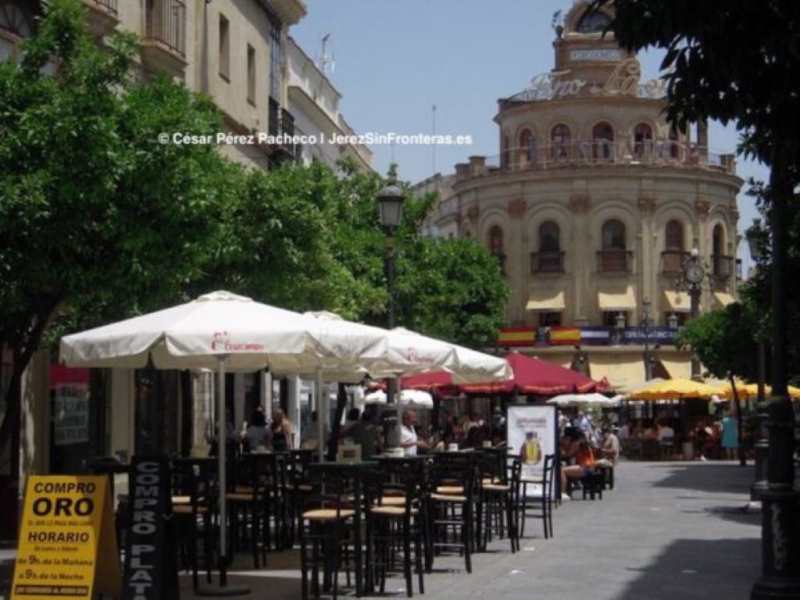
{"points": [[97, 219], [452, 289]]}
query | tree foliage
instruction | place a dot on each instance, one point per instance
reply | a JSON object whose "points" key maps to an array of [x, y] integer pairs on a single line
{"points": [[725, 341]]}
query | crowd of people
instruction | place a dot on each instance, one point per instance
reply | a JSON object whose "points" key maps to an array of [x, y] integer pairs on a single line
{"points": [[582, 439]]}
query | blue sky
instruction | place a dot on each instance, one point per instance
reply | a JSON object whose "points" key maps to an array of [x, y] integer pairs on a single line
{"points": [[395, 59]]}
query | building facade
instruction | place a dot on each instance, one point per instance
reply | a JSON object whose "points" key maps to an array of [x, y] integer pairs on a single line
{"points": [[314, 103], [592, 206]]}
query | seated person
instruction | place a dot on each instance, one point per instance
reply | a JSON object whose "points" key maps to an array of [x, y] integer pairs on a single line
{"points": [[611, 446], [580, 451]]}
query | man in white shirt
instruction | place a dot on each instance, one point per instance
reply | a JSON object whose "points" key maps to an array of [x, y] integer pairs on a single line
{"points": [[408, 435]]}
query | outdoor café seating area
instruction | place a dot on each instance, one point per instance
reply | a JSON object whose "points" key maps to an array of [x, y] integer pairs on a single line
{"points": [[349, 527]]}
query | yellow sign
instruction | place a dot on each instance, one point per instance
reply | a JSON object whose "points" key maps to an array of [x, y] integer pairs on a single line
{"points": [[67, 542]]}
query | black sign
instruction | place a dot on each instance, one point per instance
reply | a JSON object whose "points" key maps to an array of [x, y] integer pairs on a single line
{"points": [[150, 558]]}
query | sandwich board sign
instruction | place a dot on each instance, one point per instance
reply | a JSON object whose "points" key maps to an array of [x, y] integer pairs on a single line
{"points": [[67, 542], [532, 435], [151, 571]]}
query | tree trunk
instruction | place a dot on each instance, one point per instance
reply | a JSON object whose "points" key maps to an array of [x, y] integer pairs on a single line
{"points": [[740, 449]]}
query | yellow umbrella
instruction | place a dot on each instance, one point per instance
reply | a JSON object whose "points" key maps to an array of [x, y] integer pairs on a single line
{"points": [[751, 390], [669, 389]]}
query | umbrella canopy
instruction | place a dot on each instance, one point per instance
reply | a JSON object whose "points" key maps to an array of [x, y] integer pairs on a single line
{"points": [[408, 398], [530, 376], [594, 399], [670, 389], [406, 351], [750, 390], [248, 334]]}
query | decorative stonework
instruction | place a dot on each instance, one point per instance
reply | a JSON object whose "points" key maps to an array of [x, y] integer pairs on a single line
{"points": [[702, 207], [580, 203], [647, 205], [516, 208], [473, 212]]}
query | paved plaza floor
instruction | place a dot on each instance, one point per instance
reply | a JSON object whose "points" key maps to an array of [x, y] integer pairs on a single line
{"points": [[669, 531]]}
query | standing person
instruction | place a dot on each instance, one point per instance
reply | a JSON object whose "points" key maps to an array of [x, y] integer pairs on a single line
{"points": [[282, 431], [364, 432], [730, 437], [409, 440], [257, 437]]}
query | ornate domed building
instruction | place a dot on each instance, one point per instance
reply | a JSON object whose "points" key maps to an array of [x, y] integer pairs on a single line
{"points": [[592, 206]]}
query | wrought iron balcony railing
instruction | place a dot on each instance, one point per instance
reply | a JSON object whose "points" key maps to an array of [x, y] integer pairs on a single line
{"points": [[547, 262], [166, 24], [614, 261]]}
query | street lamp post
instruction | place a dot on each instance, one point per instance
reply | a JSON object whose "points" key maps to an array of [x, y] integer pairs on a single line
{"points": [[761, 445], [693, 275], [645, 326], [390, 211], [780, 502]]}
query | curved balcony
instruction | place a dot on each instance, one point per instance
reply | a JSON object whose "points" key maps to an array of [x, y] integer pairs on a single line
{"points": [[598, 153]]}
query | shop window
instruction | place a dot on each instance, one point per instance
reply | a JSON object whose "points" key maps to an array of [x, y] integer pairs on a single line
{"points": [[156, 409]]}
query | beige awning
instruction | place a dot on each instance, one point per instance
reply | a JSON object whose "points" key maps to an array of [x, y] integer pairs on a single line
{"points": [[548, 300], [678, 367], [623, 372], [678, 301], [724, 298], [616, 299]]}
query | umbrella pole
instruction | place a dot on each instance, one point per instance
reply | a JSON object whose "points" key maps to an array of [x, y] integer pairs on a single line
{"points": [[222, 447], [321, 413]]}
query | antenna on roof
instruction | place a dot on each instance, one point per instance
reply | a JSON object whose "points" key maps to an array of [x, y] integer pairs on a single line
{"points": [[327, 62]]}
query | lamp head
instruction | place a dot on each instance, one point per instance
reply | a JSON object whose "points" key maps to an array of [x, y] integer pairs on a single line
{"points": [[390, 203]]}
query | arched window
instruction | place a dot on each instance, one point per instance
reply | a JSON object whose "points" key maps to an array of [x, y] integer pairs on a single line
{"points": [[560, 140], [527, 146], [549, 237], [674, 236], [642, 140], [614, 235], [613, 256], [603, 138], [496, 245], [548, 258]]}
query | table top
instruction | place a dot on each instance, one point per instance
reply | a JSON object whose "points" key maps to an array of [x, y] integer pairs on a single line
{"points": [[342, 466]]}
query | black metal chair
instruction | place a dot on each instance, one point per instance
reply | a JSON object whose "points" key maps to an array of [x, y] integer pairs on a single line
{"points": [[193, 507], [325, 521], [396, 519], [451, 505], [541, 502]]}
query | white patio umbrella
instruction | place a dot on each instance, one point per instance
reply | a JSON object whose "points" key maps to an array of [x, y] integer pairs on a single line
{"points": [[594, 399], [221, 331], [408, 398]]}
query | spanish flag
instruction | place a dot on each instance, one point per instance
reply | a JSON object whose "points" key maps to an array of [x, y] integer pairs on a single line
{"points": [[517, 336], [565, 336]]}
